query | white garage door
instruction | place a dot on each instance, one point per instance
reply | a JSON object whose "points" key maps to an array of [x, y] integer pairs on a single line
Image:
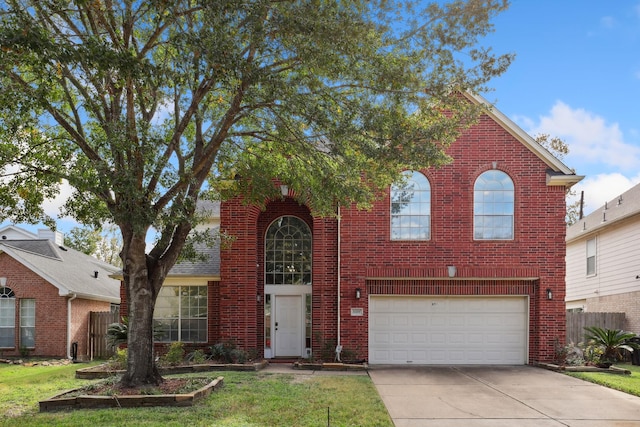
{"points": [[448, 330]]}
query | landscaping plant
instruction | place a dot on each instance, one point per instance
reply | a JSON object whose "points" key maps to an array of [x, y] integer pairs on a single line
{"points": [[610, 341]]}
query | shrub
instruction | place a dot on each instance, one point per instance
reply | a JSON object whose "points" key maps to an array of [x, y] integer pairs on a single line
{"points": [[175, 355], [119, 360], [117, 333], [196, 356], [227, 352], [611, 342]]}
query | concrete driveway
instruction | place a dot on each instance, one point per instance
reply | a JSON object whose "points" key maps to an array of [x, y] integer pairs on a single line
{"points": [[490, 396]]}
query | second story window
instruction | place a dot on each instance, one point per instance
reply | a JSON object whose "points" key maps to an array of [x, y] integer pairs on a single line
{"points": [[411, 208], [493, 205], [287, 253], [591, 257]]}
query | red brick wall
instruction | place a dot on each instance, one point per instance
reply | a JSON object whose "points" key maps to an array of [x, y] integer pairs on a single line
{"points": [[80, 309], [537, 249], [51, 309]]}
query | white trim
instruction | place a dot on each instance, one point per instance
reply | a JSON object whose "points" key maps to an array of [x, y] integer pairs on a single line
{"points": [[526, 139]]}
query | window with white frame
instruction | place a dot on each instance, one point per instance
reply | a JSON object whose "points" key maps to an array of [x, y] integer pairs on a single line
{"points": [[181, 314], [28, 323], [288, 251], [493, 206], [591, 257], [411, 208], [7, 318]]}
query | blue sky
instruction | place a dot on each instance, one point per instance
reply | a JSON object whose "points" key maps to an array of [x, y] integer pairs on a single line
{"points": [[576, 76]]}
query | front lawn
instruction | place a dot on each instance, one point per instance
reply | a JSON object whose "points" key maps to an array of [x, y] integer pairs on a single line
{"points": [[627, 383], [247, 399]]}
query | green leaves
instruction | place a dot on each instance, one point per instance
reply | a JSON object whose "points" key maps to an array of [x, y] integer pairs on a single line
{"points": [[612, 341]]}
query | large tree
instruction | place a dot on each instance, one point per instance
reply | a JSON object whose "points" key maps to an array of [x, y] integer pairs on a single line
{"points": [[144, 107]]}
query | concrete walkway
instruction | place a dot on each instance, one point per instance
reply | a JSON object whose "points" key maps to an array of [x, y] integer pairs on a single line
{"points": [[492, 396]]}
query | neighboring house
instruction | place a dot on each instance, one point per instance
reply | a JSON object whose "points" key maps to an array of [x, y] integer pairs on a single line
{"points": [[603, 260], [465, 264], [47, 292]]}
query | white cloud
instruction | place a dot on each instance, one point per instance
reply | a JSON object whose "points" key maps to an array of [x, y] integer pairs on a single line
{"points": [[52, 206], [607, 21], [590, 138], [602, 188]]}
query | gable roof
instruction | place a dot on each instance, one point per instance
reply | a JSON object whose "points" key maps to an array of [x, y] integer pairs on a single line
{"points": [[623, 207], [12, 232], [559, 173], [71, 271]]}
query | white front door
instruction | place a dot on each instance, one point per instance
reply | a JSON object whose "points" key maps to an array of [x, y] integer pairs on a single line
{"points": [[288, 325]]}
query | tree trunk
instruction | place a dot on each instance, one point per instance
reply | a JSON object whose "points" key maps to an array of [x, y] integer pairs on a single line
{"points": [[141, 299]]}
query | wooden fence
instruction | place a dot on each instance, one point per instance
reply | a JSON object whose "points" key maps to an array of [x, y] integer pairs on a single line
{"points": [[576, 323], [99, 321]]}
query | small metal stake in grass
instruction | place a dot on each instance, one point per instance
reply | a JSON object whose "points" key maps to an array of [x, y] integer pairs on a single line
{"points": [[328, 418]]}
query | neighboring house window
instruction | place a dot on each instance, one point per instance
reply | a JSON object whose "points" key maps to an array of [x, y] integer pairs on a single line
{"points": [[288, 249], [591, 257], [411, 208], [181, 314], [27, 323], [493, 204], [7, 318]]}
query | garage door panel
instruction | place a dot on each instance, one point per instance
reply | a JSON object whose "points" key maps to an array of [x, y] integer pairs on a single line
{"points": [[441, 330]]}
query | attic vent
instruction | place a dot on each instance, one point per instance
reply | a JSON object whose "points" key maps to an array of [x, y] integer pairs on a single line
{"points": [[4, 237], [619, 200], [95, 274], [604, 216], [63, 248], [605, 206]]}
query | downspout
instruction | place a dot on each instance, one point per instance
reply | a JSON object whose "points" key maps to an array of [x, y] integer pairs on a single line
{"points": [[339, 283], [73, 296]]}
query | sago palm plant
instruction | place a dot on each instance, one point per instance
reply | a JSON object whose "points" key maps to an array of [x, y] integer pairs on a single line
{"points": [[612, 342]]}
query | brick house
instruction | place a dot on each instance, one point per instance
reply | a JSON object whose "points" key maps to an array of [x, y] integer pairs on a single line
{"points": [[47, 292], [464, 264], [603, 272]]}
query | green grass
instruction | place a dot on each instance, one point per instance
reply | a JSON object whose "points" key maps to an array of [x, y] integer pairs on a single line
{"points": [[247, 399], [627, 383], [22, 387]]}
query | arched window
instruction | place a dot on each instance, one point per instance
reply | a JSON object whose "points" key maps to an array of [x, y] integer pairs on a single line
{"points": [[288, 252], [493, 204], [7, 318], [411, 208]]}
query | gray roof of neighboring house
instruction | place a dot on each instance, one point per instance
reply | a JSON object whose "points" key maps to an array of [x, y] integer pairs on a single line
{"points": [[620, 208], [71, 271]]}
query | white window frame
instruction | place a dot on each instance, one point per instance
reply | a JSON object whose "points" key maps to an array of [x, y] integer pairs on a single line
{"points": [[27, 323], [288, 252], [494, 207], [169, 313], [591, 249], [8, 315], [410, 219]]}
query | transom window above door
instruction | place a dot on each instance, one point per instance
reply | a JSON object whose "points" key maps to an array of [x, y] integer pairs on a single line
{"points": [[288, 248]]}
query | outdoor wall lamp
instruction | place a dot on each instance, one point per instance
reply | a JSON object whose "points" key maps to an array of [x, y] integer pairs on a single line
{"points": [[451, 270], [284, 189], [358, 293], [549, 294], [258, 298]]}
